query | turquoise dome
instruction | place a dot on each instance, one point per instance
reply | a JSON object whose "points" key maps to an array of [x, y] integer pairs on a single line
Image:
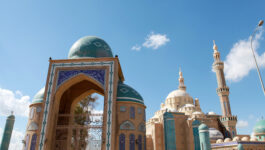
{"points": [[38, 98], [127, 93], [260, 127], [203, 127], [90, 47], [240, 147]]}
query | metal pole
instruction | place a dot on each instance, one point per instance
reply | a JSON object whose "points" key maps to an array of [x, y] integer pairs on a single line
{"points": [[260, 78]]}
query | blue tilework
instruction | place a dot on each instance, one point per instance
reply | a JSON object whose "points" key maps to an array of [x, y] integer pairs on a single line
{"points": [[98, 75]]}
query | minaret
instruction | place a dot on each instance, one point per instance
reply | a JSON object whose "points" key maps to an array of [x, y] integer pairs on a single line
{"points": [[227, 119], [222, 90], [7, 132], [181, 81]]}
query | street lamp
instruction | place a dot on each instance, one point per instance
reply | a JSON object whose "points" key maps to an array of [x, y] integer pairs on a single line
{"points": [[259, 25]]}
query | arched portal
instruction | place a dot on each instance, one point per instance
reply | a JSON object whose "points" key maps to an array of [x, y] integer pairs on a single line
{"points": [[75, 120], [68, 82]]}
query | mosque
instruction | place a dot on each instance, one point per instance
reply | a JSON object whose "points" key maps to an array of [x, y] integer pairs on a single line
{"points": [[60, 118]]}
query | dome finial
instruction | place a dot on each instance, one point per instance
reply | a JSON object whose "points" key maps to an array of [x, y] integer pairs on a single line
{"points": [[180, 72], [181, 80], [215, 48]]}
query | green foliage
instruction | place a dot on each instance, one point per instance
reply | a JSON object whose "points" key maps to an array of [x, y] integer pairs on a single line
{"points": [[82, 118]]}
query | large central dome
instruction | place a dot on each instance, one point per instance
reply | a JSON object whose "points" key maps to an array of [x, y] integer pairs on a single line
{"points": [[90, 47]]}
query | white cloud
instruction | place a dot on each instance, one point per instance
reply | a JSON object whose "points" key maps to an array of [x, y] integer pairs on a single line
{"points": [[14, 101], [242, 124], [16, 139], [240, 60], [154, 41], [136, 47]]}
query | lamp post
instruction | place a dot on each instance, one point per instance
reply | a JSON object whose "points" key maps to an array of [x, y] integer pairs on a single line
{"points": [[260, 78]]}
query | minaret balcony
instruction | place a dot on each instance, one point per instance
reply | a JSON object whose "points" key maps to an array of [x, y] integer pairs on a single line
{"points": [[228, 118], [223, 90], [218, 65]]}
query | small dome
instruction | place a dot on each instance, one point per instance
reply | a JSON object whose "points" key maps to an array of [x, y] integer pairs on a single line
{"points": [[211, 113], [259, 127], [38, 98], [89, 47], [215, 134], [227, 140], [236, 138], [203, 127], [178, 93], [245, 138], [240, 147], [127, 93], [197, 113], [219, 141], [253, 138]]}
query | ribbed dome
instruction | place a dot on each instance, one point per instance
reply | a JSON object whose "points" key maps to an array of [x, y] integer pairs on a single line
{"points": [[90, 47], [38, 98], [127, 93], [260, 127], [178, 93], [215, 134]]}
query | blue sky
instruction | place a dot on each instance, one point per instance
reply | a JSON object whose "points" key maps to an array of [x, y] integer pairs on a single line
{"points": [[32, 31]]}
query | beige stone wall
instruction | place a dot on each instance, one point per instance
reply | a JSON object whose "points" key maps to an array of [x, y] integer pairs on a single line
{"points": [[124, 115], [34, 117]]}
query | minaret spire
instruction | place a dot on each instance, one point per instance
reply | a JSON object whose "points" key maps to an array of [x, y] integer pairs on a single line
{"points": [[181, 81], [228, 120], [222, 90]]}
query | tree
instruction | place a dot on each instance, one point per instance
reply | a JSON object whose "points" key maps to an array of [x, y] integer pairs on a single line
{"points": [[82, 118]]}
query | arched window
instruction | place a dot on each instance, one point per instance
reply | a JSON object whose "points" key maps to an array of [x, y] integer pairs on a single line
{"points": [[33, 141], [139, 142], [132, 112], [122, 142], [141, 127], [31, 114], [132, 142]]}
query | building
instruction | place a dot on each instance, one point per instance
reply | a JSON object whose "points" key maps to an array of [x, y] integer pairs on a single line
{"points": [[90, 68], [60, 118], [181, 124]]}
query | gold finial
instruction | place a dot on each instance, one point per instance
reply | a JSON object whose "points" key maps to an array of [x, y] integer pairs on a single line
{"points": [[214, 46]]}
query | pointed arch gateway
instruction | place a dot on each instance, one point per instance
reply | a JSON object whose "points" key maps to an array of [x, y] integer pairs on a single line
{"points": [[68, 82]]}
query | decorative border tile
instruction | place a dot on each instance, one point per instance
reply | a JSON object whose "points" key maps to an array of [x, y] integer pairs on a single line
{"points": [[110, 85], [97, 74]]}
